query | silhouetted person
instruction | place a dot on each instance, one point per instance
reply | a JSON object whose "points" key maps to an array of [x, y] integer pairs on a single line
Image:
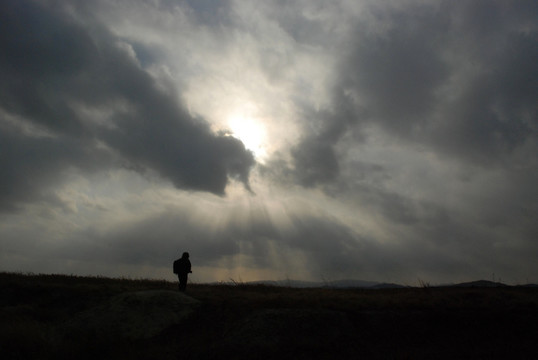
{"points": [[182, 267]]}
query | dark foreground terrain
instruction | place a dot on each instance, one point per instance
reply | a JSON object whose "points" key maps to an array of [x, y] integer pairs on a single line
{"points": [[55, 317]]}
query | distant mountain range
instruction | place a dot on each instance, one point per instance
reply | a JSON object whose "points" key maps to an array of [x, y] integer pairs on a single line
{"points": [[348, 284], [480, 283], [340, 284]]}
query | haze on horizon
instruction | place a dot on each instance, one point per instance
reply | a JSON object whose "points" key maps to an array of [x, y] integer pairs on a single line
{"points": [[377, 140]]}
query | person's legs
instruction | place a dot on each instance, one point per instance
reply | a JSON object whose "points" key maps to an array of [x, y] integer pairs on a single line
{"points": [[182, 282]]}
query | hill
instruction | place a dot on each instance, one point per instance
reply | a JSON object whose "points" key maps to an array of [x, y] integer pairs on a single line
{"points": [[481, 283], [350, 284], [51, 317], [346, 283]]}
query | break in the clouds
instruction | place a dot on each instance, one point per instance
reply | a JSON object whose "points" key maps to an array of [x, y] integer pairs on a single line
{"points": [[380, 140]]}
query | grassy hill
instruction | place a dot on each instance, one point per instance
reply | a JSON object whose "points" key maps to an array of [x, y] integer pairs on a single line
{"points": [[53, 316]]}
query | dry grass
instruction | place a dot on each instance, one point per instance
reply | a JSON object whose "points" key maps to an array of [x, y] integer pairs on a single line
{"points": [[276, 322]]}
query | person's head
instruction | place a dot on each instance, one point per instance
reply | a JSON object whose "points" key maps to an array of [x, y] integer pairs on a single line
{"points": [[185, 255]]}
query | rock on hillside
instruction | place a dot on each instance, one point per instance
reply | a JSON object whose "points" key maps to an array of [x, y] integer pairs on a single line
{"points": [[133, 315]]}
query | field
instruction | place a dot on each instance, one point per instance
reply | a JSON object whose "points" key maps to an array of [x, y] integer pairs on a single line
{"points": [[53, 317]]}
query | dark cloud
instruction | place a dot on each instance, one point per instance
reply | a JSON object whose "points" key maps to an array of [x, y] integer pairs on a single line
{"points": [[455, 82], [155, 240], [314, 159], [394, 74], [31, 165], [209, 12], [328, 247], [430, 83], [457, 79], [315, 162], [52, 67], [325, 246]]}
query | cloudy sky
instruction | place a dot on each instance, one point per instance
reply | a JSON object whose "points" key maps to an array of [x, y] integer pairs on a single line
{"points": [[310, 139]]}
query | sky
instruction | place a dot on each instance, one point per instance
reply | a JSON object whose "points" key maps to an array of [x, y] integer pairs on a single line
{"points": [[390, 141]]}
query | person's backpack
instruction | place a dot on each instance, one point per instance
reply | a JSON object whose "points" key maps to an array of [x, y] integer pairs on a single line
{"points": [[176, 266]]}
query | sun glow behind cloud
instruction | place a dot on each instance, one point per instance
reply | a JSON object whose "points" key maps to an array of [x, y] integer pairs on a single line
{"points": [[251, 132]]}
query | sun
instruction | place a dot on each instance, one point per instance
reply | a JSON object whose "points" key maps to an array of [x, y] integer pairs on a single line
{"points": [[251, 133]]}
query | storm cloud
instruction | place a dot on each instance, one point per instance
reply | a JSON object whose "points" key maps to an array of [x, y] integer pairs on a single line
{"points": [[75, 97], [456, 79]]}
